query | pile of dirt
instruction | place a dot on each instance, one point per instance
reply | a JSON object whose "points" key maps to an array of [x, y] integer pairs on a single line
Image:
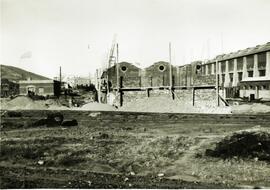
{"points": [[253, 144], [96, 107], [251, 108], [164, 104], [23, 102]]}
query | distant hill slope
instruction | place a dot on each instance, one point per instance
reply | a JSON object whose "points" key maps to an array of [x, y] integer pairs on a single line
{"points": [[16, 74]]}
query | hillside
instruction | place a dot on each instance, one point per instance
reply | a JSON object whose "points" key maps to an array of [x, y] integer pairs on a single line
{"points": [[16, 74]]}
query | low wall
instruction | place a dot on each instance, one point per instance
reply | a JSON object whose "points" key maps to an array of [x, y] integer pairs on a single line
{"points": [[202, 96]]}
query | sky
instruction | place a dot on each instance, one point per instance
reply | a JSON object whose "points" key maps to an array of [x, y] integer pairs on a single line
{"points": [[42, 35]]}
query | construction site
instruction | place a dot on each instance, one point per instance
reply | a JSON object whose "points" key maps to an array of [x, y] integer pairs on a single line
{"points": [[146, 109], [159, 127]]}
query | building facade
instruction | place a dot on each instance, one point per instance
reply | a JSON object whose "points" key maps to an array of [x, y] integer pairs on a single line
{"points": [[40, 87], [241, 74], [245, 73]]}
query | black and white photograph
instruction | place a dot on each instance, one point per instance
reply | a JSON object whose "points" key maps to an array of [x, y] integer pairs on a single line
{"points": [[135, 94]]}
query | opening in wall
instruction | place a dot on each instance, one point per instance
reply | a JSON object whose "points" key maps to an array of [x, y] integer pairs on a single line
{"points": [[124, 68], [161, 68], [250, 73], [261, 73]]}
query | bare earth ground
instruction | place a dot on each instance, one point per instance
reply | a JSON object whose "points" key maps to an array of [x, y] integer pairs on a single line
{"points": [[117, 153]]}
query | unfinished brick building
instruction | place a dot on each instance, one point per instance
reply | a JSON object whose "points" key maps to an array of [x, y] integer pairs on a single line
{"points": [[245, 73]]}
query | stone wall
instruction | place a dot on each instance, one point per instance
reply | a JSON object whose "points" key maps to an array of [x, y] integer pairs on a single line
{"points": [[128, 73]]}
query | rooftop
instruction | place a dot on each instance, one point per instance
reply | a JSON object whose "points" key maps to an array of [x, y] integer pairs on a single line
{"points": [[241, 53]]}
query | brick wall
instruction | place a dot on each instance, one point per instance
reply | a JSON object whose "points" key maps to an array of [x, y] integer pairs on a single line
{"points": [[130, 74], [158, 74], [200, 80], [47, 87]]}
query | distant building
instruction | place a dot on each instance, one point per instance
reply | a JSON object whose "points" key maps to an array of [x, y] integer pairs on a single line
{"points": [[9, 88], [77, 81], [40, 87]]}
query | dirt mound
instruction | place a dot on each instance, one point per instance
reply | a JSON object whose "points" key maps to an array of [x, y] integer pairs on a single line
{"points": [[254, 143], [251, 109], [163, 104], [23, 102], [96, 107]]}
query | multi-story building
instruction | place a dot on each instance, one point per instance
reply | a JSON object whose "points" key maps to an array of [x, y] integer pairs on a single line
{"points": [[245, 73]]}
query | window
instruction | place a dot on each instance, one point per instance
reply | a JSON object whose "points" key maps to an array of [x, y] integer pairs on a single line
{"points": [[209, 69], [223, 78], [240, 63], [231, 77], [262, 60], [250, 62], [223, 67], [203, 70], [41, 90], [250, 73], [263, 87], [243, 87], [214, 65], [240, 76], [161, 68], [261, 73], [124, 68], [231, 65]]}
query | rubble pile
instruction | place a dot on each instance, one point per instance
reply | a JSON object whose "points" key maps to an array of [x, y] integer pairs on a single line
{"points": [[253, 144], [23, 102], [250, 108]]}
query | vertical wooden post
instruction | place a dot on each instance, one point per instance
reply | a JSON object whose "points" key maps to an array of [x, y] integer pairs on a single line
{"points": [[193, 96], [121, 92], [99, 85], [171, 76], [117, 67], [217, 83], [60, 75], [148, 92], [170, 62], [173, 95]]}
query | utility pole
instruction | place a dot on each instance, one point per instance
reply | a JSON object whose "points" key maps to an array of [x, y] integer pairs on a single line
{"points": [[170, 62], [171, 76], [60, 75], [117, 67]]}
